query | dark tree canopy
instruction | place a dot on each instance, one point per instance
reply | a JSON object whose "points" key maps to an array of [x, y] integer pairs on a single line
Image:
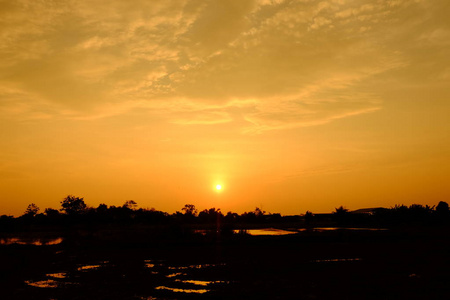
{"points": [[50, 212], [102, 208], [189, 210], [73, 205], [442, 208]]}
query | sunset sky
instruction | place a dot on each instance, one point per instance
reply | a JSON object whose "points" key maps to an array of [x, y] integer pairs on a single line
{"points": [[288, 105]]}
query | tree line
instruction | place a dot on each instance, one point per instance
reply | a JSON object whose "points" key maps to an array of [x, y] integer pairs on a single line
{"points": [[74, 210]]}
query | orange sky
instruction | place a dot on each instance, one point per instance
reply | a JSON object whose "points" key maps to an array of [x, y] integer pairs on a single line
{"points": [[289, 105]]}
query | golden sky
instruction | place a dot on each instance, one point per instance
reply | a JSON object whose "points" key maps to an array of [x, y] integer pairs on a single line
{"points": [[289, 105]]}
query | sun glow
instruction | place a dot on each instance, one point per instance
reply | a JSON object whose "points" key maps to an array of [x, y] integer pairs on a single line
{"points": [[218, 187]]}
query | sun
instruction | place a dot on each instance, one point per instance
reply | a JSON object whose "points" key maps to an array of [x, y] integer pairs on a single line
{"points": [[218, 187]]}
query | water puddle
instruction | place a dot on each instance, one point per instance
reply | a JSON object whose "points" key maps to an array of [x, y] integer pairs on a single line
{"points": [[149, 263], [336, 260], [88, 267], [343, 228], [193, 285], [175, 274], [49, 283], [200, 266], [266, 231], [274, 231], [91, 267], [200, 282], [178, 290], [43, 283], [57, 275], [30, 241], [178, 268]]}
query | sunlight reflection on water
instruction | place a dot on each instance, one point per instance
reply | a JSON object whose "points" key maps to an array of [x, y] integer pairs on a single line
{"points": [[43, 283], [49, 283], [149, 263], [344, 228], [175, 274], [180, 277], [57, 275], [194, 266], [88, 267], [200, 282], [266, 231], [30, 241], [274, 231], [177, 290], [336, 260]]}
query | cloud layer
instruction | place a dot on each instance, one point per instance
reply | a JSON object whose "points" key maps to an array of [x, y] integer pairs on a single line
{"points": [[266, 64]]}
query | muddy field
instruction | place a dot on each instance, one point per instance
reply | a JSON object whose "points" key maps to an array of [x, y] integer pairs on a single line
{"points": [[340, 264]]}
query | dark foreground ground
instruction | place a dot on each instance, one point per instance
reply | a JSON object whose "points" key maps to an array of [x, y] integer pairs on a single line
{"points": [[394, 264]]}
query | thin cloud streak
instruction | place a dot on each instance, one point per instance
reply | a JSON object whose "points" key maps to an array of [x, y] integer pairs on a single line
{"points": [[93, 65]]}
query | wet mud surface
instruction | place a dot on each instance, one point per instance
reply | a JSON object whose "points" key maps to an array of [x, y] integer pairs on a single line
{"points": [[333, 265]]}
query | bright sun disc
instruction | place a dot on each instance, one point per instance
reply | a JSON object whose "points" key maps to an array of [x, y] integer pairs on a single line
{"points": [[218, 187]]}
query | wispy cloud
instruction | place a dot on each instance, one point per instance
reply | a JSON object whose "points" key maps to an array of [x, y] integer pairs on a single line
{"points": [[302, 63]]}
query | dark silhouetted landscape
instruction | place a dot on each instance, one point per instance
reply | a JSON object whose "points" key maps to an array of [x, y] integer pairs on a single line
{"points": [[126, 252]]}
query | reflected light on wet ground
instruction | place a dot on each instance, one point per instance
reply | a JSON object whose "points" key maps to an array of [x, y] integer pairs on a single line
{"points": [[30, 241], [178, 290], [336, 260], [343, 228], [175, 275], [188, 281], [178, 268], [266, 231], [200, 282], [149, 263], [180, 280], [49, 283], [88, 267], [274, 231], [57, 275], [195, 266], [43, 283]]}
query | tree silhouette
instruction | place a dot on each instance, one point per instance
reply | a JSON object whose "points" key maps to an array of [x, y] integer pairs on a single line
{"points": [[210, 215], [72, 205], [231, 217], [189, 210], [308, 217], [442, 212], [442, 208], [31, 210], [102, 208], [259, 212], [50, 212], [130, 204], [341, 215]]}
